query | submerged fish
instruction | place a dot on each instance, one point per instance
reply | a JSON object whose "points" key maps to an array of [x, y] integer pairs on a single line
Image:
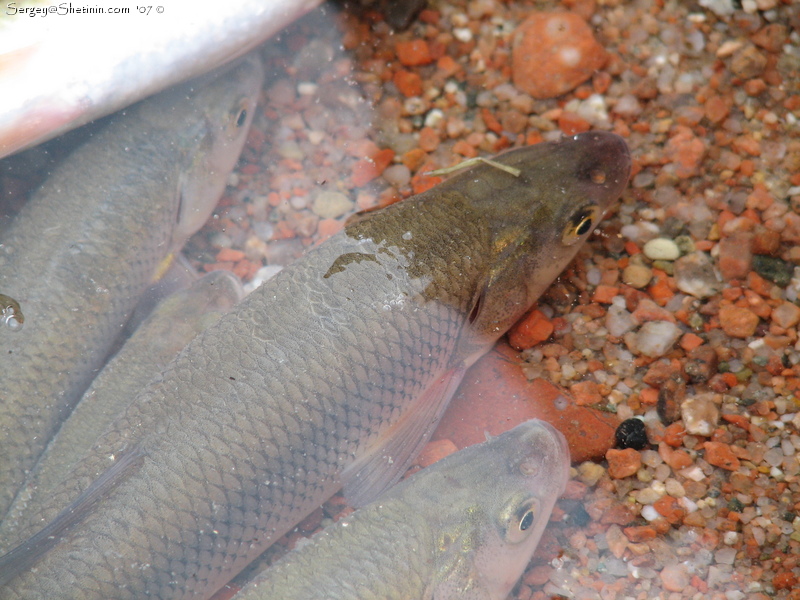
{"points": [[335, 372], [89, 241], [64, 67], [170, 326], [464, 528]]}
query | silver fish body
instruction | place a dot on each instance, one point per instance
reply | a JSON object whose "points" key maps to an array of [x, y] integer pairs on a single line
{"points": [[333, 373], [464, 528], [172, 324], [63, 70], [91, 239]]}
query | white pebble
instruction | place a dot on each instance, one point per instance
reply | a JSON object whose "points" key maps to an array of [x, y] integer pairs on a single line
{"points": [[656, 338], [661, 249], [619, 321], [397, 175], [694, 473], [700, 415], [649, 513], [329, 204], [462, 34]]}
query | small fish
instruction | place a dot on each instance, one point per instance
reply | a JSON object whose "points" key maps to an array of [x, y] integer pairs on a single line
{"points": [[169, 327], [333, 373], [59, 69], [464, 528], [91, 239]]}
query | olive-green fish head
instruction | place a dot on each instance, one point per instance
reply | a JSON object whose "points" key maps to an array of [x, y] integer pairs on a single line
{"points": [[211, 131], [488, 241], [537, 221], [499, 504]]}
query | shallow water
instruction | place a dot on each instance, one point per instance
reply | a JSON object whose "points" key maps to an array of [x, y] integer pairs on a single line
{"points": [[677, 527]]}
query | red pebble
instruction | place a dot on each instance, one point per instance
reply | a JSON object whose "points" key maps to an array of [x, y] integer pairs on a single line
{"points": [[553, 53]]}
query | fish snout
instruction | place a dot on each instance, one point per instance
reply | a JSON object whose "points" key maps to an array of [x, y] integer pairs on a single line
{"points": [[610, 160], [547, 454]]}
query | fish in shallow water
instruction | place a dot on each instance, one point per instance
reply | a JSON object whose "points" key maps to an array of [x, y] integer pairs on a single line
{"points": [[91, 238], [333, 373], [61, 69], [464, 528], [170, 326]]}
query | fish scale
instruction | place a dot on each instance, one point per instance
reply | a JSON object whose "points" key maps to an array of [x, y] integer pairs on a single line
{"points": [[443, 533], [334, 372], [90, 240], [172, 324]]}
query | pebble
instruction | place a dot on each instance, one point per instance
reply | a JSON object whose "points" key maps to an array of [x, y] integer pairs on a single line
{"points": [[720, 455], [674, 488], [649, 495], [623, 463], [631, 433], [700, 415], [590, 472], [616, 540], [738, 321], [330, 204], [553, 53], [531, 330], [771, 38], [748, 62], [685, 152], [669, 508], [413, 53], [701, 364], [661, 249], [637, 276], [398, 175], [656, 338], [774, 269], [786, 315], [675, 577], [695, 275], [619, 321], [735, 256]]}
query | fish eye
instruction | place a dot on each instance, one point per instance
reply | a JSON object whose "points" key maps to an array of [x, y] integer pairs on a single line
{"points": [[526, 521], [580, 224], [242, 118], [521, 519]]}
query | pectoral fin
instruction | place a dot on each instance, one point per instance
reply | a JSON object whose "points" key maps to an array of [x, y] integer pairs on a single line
{"points": [[391, 455]]}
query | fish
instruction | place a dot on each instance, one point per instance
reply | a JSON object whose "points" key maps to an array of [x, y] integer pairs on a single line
{"points": [[167, 329], [63, 66], [94, 236], [465, 527], [331, 375]]}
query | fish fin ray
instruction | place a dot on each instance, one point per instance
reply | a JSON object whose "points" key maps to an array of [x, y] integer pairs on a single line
{"points": [[389, 458], [28, 553]]}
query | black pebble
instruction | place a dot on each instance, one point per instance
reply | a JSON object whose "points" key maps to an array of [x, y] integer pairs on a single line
{"points": [[631, 434]]}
